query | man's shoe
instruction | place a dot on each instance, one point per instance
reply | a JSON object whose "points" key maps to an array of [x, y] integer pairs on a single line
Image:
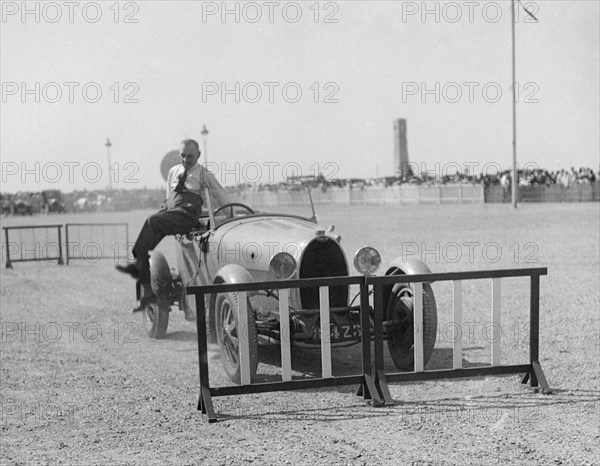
{"points": [[131, 268], [144, 303]]}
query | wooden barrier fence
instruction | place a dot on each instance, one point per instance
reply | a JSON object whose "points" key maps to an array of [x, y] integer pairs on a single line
{"points": [[373, 380]]}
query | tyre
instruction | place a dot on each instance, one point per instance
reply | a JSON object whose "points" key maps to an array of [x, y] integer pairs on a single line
{"points": [[401, 334], [161, 279], [156, 319], [228, 335]]}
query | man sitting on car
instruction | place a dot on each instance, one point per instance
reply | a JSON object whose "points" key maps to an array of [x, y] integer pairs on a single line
{"points": [[179, 214]]}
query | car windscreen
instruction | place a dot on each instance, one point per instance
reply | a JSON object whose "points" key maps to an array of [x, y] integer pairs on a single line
{"points": [[238, 201]]}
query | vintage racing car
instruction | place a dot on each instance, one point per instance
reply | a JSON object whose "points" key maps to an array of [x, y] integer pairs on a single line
{"points": [[235, 243]]}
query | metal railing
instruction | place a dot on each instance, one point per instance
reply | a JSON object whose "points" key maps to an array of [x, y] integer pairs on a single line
{"points": [[29, 249], [116, 249], [23, 246]]}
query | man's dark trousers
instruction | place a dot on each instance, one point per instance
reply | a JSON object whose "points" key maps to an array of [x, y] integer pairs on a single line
{"points": [[156, 227]]}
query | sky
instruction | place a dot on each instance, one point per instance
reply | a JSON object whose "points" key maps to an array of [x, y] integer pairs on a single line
{"points": [[291, 88]]}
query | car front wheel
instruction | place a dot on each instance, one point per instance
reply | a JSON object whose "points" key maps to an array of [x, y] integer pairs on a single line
{"points": [[229, 335], [156, 319], [401, 333]]}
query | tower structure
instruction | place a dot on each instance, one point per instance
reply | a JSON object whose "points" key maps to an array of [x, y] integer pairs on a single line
{"points": [[401, 166]]}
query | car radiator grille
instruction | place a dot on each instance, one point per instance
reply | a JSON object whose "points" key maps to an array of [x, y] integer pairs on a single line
{"points": [[323, 259]]}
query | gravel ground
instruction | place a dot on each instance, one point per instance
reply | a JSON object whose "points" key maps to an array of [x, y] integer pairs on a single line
{"points": [[82, 384]]}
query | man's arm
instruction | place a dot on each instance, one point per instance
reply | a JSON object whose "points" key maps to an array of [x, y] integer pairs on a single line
{"points": [[169, 179], [217, 192]]}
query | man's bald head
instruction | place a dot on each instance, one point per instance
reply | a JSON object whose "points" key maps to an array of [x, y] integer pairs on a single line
{"points": [[191, 144], [190, 152]]}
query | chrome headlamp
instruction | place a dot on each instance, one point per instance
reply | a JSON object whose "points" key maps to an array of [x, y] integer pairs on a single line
{"points": [[367, 260], [282, 265]]}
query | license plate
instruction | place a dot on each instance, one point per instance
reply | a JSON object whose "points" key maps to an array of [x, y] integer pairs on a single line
{"points": [[340, 332]]}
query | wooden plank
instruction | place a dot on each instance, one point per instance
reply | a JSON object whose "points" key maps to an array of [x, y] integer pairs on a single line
{"points": [[496, 330], [244, 344], [418, 326], [285, 333], [325, 337], [457, 325]]}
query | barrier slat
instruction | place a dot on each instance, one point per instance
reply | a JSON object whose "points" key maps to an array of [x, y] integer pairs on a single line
{"points": [[284, 326], [418, 325], [457, 327], [325, 336], [496, 332], [243, 337]]}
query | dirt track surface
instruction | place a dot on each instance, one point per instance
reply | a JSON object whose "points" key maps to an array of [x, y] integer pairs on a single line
{"points": [[82, 384]]}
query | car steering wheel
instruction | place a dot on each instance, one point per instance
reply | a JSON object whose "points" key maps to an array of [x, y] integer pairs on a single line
{"points": [[231, 206]]}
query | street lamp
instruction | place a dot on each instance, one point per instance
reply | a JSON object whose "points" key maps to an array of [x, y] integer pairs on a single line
{"points": [[204, 134], [108, 146]]}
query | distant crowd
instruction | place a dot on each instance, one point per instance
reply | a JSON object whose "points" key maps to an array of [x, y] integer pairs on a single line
{"points": [[534, 177], [54, 201]]}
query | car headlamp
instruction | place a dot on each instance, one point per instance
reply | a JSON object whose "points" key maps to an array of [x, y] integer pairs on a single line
{"points": [[282, 265], [367, 260]]}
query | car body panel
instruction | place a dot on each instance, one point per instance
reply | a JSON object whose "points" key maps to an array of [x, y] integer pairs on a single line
{"points": [[239, 250]]}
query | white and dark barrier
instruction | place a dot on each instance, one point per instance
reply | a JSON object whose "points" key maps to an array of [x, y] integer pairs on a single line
{"points": [[372, 381], [34, 243], [94, 241], [87, 241]]}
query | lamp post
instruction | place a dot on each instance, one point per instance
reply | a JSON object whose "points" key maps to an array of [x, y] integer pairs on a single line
{"points": [[204, 134], [515, 171], [108, 146], [515, 174]]}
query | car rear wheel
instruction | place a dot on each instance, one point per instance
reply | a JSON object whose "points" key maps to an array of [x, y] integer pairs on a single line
{"points": [[401, 333], [156, 319], [229, 334]]}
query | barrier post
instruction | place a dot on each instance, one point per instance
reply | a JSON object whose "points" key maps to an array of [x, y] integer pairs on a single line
{"points": [[67, 243], [60, 259], [8, 263], [367, 389], [205, 404], [536, 375], [380, 378]]}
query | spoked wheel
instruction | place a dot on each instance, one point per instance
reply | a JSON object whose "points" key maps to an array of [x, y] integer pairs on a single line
{"points": [[156, 319], [229, 335], [401, 335]]}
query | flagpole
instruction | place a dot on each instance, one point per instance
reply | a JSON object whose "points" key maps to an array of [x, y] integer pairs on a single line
{"points": [[515, 177]]}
